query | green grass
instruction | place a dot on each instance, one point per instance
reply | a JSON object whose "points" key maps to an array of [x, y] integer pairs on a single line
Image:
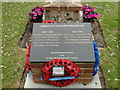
{"points": [[109, 55], [14, 19]]}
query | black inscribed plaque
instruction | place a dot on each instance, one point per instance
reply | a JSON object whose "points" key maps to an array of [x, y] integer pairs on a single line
{"points": [[72, 41]]}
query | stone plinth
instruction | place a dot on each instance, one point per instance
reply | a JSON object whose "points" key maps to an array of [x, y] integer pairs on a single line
{"points": [[71, 41], [63, 12]]}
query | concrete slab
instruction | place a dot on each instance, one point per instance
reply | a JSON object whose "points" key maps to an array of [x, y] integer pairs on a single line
{"points": [[30, 84]]}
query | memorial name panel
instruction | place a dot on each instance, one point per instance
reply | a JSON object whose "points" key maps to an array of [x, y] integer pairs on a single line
{"points": [[71, 41]]}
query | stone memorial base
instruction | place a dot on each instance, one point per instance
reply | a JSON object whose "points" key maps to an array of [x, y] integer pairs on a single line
{"points": [[29, 83]]}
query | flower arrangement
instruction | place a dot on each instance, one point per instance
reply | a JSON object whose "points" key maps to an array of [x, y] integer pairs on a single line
{"points": [[89, 14], [36, 14]]}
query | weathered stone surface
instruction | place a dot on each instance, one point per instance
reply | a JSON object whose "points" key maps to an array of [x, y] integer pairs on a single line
{"points": [[63, 4], [63, 12], [63, 16]]}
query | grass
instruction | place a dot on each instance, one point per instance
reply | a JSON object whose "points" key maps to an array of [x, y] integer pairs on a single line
{"points": [[109, 55], [14, 19]]}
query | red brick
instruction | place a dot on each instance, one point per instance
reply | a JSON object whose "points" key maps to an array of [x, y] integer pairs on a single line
{"points": [[79, 80], [36, 65], [36, 70], [85, 75], [36, 80], [87, 70], [81, 70], [84, 80], [83, 65], [36, 76]]}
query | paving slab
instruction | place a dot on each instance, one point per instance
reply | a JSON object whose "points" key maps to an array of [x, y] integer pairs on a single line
{"points": [[30, 83]]}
